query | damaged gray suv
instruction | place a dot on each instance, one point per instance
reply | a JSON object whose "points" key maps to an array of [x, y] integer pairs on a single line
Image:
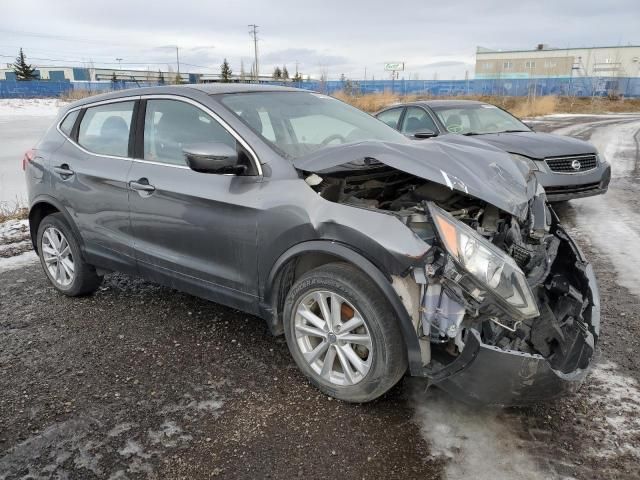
{"points": [[374, 255]]}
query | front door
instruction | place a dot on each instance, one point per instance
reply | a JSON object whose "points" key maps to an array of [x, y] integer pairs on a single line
{"points": [[194, 231]]}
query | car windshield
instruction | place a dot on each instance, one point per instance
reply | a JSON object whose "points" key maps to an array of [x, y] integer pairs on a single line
{"points": [[298, 123], [478, 119]]}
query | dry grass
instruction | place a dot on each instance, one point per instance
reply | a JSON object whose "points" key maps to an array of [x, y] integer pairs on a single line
{"points": [[518, 106], [12, 212], [73, 95]]}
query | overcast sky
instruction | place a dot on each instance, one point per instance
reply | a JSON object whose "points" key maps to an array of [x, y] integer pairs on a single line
{"points": [[340, 37]]}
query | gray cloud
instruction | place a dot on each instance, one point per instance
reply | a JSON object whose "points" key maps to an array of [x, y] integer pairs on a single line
{"points": [[341, 37]]}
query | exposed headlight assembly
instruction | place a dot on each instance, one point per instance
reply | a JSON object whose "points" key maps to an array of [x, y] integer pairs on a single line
{"points": [[486, 263]]}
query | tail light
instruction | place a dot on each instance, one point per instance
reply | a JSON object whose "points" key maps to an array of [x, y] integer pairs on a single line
{"points": [[28, 157]]}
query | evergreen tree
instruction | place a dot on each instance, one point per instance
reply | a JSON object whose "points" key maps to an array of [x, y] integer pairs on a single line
{"points": [[285, 73], [225, 72], [178, 79], [23, 70], [297, 77], [160, 78], [114, 79], [277, 73]]}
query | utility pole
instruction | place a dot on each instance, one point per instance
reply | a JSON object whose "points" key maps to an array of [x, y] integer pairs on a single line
{"points": [[254, 32], [119, 60], [178, 60]]}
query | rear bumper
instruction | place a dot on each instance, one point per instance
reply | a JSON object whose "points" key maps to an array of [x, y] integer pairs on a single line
{"points": [[560, 187]]}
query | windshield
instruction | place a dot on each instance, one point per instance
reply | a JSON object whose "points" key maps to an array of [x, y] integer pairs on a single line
{"points": [[298, 123], [478, 119]]}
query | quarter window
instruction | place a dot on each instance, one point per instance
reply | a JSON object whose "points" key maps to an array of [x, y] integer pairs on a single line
{"points": [[104, 129], [417, 120], [172, 125], [67, 124], [391, 117]]}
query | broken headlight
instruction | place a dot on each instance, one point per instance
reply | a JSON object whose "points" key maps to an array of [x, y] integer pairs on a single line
{"points": [[489, 265]]}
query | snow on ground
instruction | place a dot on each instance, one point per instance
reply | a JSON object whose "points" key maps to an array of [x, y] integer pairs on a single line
{"points": [[11, 263], [13, 231], [33, 107], [476, 442], [620, 427]]}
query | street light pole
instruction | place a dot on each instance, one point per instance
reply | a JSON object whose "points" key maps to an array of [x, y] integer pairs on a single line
{"points": [[119, 60]]}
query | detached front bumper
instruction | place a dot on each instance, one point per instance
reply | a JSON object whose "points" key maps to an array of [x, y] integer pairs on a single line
{"points": [[508, 378], [487, 375]]}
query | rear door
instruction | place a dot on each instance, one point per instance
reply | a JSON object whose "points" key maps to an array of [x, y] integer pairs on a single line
{"points": [[195, 231], [90, 179]]}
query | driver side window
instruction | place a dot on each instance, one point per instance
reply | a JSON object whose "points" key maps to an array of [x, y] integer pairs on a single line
{"points": [[171, 125], [417, 120]]}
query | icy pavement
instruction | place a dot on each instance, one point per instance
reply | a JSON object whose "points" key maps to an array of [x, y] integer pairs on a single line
{"points": [[476, 443], [611, 220]]}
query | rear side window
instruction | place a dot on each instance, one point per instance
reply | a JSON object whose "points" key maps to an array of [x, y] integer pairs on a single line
{"points": [[391, 117], [67, 124], [105, 129], [172, 125]]}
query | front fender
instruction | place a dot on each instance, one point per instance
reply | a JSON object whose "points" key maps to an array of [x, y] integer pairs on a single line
{"points": [[381, 279]]}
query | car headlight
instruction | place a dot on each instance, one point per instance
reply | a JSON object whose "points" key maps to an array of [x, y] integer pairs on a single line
{"points": [[489, 265], [526, 161]]}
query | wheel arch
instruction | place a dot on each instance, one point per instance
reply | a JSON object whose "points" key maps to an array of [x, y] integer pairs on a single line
{"points": [[40, 208], [305, 256]]}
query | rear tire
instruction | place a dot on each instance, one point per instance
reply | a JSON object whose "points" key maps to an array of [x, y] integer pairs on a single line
{"points": [[61, 258], [359, 353]]}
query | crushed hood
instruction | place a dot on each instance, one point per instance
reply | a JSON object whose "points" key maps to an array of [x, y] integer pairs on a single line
{"points": [[479, 170], [537, 145]]}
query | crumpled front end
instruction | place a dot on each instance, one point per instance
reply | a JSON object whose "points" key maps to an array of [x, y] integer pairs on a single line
{"points": [[503, 304], [484, 352]]}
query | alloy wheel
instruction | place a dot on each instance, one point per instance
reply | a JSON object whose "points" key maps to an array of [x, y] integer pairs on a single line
{"points": [[333, 337], [57, 257]]}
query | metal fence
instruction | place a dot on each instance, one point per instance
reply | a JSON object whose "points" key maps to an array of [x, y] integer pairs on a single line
{"points": [[579, 87]]}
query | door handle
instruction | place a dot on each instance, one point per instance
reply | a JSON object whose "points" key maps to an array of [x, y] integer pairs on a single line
{"points": [[64, 171], [142, 185]]}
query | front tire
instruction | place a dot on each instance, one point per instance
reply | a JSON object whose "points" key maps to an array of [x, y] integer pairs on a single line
{"points": [[343, 334], [61, 259]]}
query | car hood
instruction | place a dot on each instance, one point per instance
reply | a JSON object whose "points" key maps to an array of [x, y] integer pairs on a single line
{"points": [[479, 170], [537, 145]]}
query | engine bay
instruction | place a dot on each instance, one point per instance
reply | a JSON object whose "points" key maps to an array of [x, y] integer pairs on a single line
{"points": [[451, 304]]}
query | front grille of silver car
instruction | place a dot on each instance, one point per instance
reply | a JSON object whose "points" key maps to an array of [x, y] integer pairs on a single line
{"points": [[572, 164]]}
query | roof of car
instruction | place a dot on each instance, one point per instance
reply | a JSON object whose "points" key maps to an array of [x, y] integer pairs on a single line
{"points": [[207, 88], [447, 103]]}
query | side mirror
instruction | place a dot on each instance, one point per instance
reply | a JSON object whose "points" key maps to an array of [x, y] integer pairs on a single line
{"points": [[213, 157], [425, 134]]}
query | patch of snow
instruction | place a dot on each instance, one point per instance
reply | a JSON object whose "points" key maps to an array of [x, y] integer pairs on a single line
{"points": [[617, 144], [475, 442], [13, 231], [620, 396], [31, 107], [19, 261]]}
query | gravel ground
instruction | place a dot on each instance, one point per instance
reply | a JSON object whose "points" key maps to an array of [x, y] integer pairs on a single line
{"points": [[139, 381]]}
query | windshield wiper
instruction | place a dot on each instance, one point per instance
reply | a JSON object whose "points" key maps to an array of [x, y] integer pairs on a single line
{"points": [[513, 131], [468, 134]]}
